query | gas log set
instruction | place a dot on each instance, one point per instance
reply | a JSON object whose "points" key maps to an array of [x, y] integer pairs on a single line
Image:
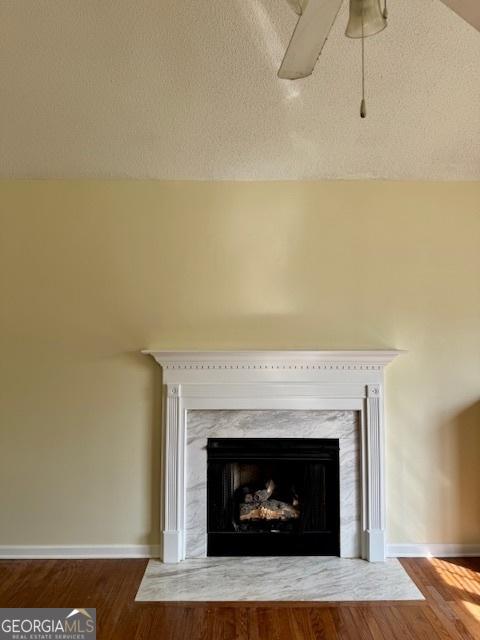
{"points": [[262, 505]]}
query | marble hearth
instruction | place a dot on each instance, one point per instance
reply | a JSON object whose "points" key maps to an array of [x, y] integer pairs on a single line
{"points": [[266, 394], [276, 579]]}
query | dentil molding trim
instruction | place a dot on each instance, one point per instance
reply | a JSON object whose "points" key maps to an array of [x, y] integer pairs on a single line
{"points": [[274, 360], [289, 380]]}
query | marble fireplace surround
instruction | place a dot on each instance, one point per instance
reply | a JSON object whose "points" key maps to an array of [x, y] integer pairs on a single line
{"points": [[269, 423], [335, 393]]}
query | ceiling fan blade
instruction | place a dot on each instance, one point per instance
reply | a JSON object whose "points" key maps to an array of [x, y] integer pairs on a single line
{"points": [[308, 39], [469, 10]]}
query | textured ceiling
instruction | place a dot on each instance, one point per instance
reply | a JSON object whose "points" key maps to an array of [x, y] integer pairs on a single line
{"points": [[187, 89]]}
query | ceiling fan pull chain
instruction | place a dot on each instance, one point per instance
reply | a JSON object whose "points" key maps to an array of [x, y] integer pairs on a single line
{"points": [[385, 9], [363, 106]]}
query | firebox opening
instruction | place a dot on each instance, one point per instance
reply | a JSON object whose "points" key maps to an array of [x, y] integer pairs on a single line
{"points": [[273, 496]]}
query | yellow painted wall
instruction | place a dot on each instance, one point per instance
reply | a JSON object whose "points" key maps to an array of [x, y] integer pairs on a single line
{"points": [[93, 271]]}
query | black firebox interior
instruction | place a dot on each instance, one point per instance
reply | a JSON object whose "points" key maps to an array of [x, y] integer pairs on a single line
{"points": [[273, 496]]}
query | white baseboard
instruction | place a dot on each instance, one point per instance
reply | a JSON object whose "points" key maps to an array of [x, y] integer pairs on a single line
{"points": [[432, 550], [66, 552]]}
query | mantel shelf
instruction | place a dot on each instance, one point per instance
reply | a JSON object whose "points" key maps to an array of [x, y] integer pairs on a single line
{"points": [[269, 359]]}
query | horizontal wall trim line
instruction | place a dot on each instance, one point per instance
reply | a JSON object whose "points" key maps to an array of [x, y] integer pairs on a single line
{"points": [[67, 552], [432, 550]]}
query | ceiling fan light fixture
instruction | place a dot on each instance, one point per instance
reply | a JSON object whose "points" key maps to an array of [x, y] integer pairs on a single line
{"points": [[370, 14]]}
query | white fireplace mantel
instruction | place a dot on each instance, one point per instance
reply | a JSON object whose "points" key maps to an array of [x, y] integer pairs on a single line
{"points": [[277, 380]]}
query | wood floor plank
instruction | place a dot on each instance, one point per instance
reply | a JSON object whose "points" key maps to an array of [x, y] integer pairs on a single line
{"points": [[299, 624], [369, 616], [342, 624], [388, 624], [357, 623], [322, 624], [241, 623], [469, 617], [253, 625]]}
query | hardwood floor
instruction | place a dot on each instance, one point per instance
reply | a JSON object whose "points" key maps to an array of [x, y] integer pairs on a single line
{"points": [[451, 610]]}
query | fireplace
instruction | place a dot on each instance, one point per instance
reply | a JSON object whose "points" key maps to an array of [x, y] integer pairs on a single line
{"points": [[273, 496], [264, 394]]}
